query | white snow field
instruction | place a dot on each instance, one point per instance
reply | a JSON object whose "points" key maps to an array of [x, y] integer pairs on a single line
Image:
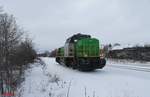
{"points": [[54, 80]]}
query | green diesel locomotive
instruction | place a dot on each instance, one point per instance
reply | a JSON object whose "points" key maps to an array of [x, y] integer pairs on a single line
{"points": [[81, 52]]}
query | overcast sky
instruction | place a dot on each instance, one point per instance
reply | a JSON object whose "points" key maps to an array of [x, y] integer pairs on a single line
{"points": [[50, 22]]}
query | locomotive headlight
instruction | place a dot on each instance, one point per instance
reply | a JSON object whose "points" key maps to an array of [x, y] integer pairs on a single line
{"points": [[102, 56], [75, 40]]}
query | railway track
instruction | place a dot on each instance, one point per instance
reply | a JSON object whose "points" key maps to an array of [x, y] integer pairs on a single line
{"points": [[137, 68]]}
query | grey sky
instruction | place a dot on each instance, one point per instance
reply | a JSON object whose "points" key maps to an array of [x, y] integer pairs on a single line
{"points": [[50, 22]]}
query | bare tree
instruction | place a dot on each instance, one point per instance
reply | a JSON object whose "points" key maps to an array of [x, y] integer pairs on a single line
{"points": [[10, 36], [24, 53], [14, 52]]}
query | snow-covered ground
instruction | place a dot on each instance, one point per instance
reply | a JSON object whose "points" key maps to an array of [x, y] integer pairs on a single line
{"points": [[54, 80]]}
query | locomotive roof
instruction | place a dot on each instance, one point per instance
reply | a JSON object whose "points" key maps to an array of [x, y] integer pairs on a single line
{"points": [[77, 37]]}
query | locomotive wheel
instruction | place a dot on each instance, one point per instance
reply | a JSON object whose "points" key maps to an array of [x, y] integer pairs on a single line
{"points": [[74, 66], [102, 62], [57, 59], [66, 61]]}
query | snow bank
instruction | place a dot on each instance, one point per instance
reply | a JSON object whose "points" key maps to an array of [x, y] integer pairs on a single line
{"points": [[39, 83]]}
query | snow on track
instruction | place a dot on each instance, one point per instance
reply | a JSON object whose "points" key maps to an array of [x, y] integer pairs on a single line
{"points": [[108, 82]]}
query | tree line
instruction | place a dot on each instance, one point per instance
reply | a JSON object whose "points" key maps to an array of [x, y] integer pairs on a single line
{"points": [[16, 50]]}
